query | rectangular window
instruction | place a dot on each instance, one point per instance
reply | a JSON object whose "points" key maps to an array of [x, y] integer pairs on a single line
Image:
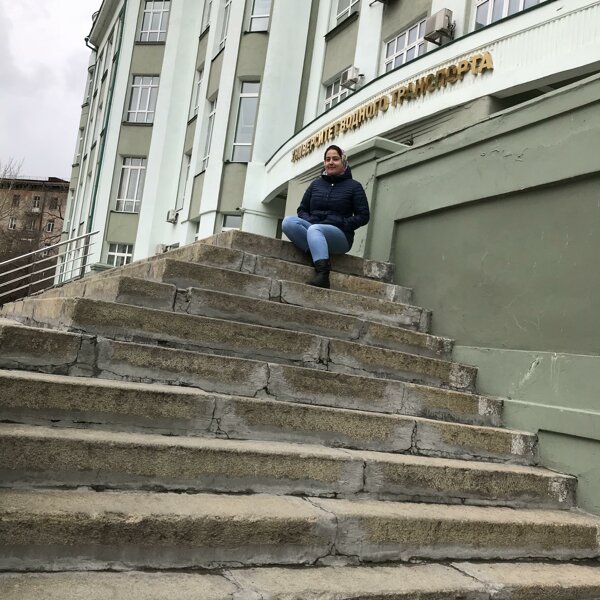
{"points": [[206, 14], [12, 223], [246, 120], [195, 104], [405, 46], [226, 11], [50, 226], [259, 19], [29, 225], [16, 201], [490, 11], [232, 222], [36, 202], [345, 8], [209, 130], [335, 93], [142, 104], [184, 174], [131, 185], [119, 254], [53, 203], [155, 21]]}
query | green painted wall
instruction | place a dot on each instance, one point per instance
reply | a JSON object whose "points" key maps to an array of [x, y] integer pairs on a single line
{"points": [[147, 59], [497, 228], [252, 55], [232, 186], [122, 227], [215, 76]]}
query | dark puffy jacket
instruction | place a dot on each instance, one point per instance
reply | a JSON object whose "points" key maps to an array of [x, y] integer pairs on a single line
{"points": [[336, 200]]}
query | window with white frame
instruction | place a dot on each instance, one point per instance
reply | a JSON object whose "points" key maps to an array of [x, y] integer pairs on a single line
{"points": [[259, 19], [37, 201], [119, 254], [246, 120], [490, 11], [155, 21], [231, 221], [334, 92], [209, 130], [184, 174], [142, 104], [226, 11], [131, 185], [345, 8], [195, 104], [50, 226], [206, 14], [404, 47], [12, 223]]}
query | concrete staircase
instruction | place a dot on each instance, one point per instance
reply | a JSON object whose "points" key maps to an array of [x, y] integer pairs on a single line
{"points": [[204, 425]]}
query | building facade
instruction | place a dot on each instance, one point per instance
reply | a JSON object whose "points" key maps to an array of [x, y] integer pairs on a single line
{"points": [[202, 115]]}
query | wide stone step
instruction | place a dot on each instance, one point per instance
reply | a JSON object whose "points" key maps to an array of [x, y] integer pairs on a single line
{"points": [[128, 322], [253, 306], [322, 322], [57, 457], [144, 363], [464, 581], [170, 531], [59, 352], [187, 274], [270, 247]]}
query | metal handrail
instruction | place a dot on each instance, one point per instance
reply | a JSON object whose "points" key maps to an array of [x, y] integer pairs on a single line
{"points": [[65, 266]]}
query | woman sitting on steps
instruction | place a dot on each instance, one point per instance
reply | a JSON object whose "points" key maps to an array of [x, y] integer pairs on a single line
{"points": [[332, 208]]}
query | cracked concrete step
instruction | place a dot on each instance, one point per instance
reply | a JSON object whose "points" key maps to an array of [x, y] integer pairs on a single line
{"points": [[51, 457], [222, 305], [45, 399], [264, 246], [187, 274], [58, 352], [464, 581], [129, 322], [140, 362], [250, 304], [167, 531]]}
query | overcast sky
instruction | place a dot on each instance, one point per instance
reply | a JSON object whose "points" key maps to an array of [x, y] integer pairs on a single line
{"points": [[43, 67]]}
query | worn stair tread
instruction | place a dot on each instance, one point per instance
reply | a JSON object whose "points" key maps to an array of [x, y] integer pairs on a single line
{"points": [[55, 456], [467, 581], [145, 529], [123, 406], [265, 246], [128, 322]]}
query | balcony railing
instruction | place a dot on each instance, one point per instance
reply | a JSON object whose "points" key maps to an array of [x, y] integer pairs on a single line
{"points": [[41, 269]]}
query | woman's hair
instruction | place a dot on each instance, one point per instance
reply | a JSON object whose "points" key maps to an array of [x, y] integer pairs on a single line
{"points": [[337, 149]]}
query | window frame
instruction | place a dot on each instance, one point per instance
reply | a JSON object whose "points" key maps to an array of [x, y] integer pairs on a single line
{"points": [[136, 95], [254, 17], [210, 124], [163, 24], [342, 15], [49, 226], [419, 45], [36, 202], [195, 103], [12, 223], [119, 253], [339, 95], [506, 10], [128, 168], [237, 133], [206, 13], [225, 23]]}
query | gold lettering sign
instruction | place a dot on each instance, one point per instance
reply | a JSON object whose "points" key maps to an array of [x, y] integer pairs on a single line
{"points": [[476, 65]]}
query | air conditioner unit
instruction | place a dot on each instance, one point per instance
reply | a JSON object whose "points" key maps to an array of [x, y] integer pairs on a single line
{"points": [[350, 77], [439, 26], [172, 216]]}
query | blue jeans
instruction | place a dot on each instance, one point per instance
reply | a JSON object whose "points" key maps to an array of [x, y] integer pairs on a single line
{"points": [[320, 239]]}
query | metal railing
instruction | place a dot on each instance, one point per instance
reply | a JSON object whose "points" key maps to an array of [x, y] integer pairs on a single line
{"points": [[29, 273]]}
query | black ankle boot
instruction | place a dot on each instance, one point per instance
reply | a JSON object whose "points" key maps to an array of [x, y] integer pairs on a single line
{"points": [[321, 278]]}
